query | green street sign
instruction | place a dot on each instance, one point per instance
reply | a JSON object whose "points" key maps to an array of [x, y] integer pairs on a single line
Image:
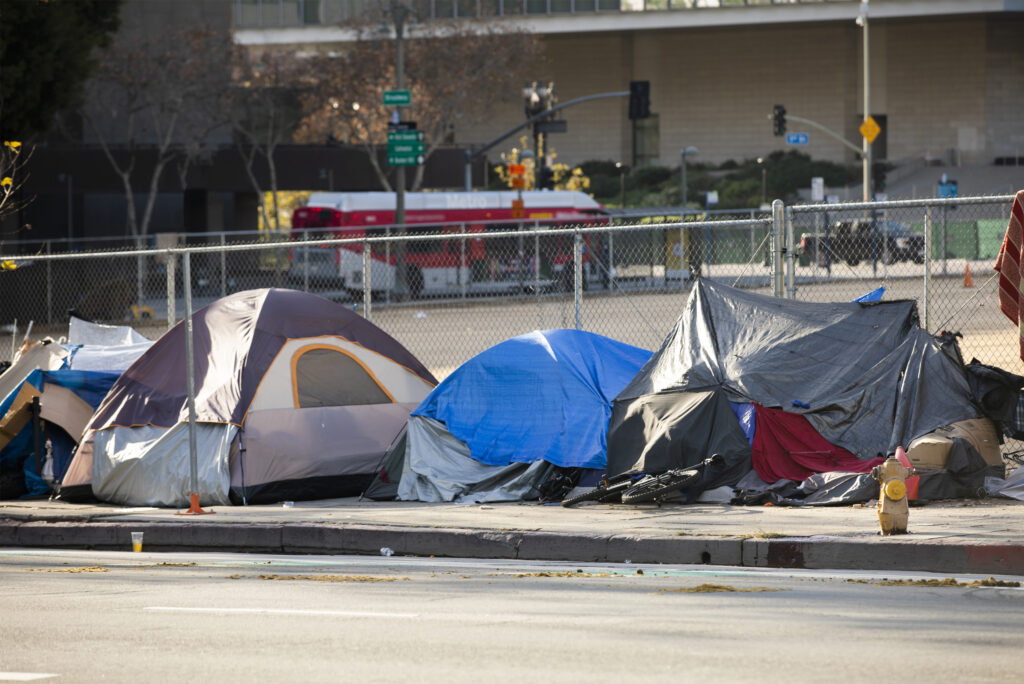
{"points": [[397, 98], [405, 159], [405, 148], [405, 136]]}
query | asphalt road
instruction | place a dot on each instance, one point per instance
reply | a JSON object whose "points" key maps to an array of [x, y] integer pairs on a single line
{"points": [[142, 617]]}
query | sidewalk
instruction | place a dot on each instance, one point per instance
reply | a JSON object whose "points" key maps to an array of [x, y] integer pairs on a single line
{"points": [[962, 536]]}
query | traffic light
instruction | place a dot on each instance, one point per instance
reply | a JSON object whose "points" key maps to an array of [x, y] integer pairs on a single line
{"points": [[878, 170], [779, 120], [546, 179], [639, 99]]}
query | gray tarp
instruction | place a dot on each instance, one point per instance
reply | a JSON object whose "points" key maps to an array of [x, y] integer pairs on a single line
{"points": [[871, 377], [441, 469], [149, 466]]}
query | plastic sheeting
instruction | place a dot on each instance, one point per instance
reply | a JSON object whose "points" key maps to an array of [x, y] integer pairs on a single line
{"points": [[149, 466], [654, 433], [545, 395], [870, 377], [441, 469], [81, 331]]}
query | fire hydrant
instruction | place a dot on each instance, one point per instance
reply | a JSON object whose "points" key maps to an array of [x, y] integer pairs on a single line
{"points": [[893, 507]]}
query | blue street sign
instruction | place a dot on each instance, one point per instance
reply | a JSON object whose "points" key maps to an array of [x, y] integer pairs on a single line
{"points": [[797, 138]]}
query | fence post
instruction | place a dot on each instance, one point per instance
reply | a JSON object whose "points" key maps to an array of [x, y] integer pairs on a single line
{"points": [[305, 261], [536, 264], [171, 260], [223, 266], [193, 461], [778, 226], [367, 280], [790, 256], [463, 275], [577, 264], [49, 288], [927, 267]]}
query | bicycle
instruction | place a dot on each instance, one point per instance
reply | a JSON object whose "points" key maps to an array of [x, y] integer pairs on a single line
{"points": [[671, 483], [608, 491]]}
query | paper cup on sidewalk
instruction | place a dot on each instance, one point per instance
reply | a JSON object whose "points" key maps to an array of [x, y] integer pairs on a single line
{"points": [[136, 541]]}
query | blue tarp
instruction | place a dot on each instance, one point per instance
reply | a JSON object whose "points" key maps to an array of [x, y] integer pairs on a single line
{"points": [[91, 386], [543, 395]]}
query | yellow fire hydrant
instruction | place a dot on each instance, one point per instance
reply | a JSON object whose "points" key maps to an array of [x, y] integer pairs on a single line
{"points": [[893, 507]]}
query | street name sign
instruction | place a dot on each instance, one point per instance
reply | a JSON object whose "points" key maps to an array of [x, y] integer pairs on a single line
{"points": [[397, 98], [404, 159], [797, 138], [405, 136], [405, 148]]}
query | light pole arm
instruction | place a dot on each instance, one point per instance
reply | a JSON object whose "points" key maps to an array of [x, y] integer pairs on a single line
{"points": [[829, 131]]}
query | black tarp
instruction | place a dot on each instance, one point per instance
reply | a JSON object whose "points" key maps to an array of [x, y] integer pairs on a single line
{"points": [[865, 375], [653, 433]]}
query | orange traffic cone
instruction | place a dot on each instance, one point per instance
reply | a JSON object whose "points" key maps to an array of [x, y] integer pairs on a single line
{"points": [[968, 281], [914, 481]]}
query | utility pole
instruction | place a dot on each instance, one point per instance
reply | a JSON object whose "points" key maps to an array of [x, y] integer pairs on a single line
{"points": [[399, 12], [862, 20]]}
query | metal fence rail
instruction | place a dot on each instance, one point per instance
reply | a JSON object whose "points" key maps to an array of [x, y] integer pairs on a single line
{"points": [[448, 292]]}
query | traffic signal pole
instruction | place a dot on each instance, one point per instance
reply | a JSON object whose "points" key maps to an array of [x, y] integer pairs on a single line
{"points": [[473, 154]]}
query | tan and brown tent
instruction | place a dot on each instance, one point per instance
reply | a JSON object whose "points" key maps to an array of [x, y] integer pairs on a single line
{"points": [[296, 397]]}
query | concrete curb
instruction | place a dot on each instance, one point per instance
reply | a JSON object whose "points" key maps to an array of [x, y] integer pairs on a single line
{"points": [[836, 553]]}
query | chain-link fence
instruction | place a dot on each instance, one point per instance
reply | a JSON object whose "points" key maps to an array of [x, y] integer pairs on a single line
{"points": [[447, 292], [940, 252]]}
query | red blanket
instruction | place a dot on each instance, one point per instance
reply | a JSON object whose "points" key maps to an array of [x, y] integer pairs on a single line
{"points": [[1009, 266], [786, 446]]}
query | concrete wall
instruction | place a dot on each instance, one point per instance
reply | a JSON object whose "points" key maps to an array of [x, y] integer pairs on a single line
{"points": [[949, 87]]}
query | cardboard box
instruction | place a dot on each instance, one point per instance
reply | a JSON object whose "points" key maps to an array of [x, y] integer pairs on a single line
{"points": [[18, 415], [981, 433], [929, 452]]}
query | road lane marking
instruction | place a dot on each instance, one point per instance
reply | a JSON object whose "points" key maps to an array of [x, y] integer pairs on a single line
{"points": [[280, 611], [24, 676]]}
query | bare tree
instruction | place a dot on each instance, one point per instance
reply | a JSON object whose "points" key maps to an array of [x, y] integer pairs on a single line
{"points": [[13, 174], [150, 97], [457, 72], [265, 111]]}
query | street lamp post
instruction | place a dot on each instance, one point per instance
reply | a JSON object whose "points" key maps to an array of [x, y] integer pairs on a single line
{"points": [[538, 97], [764, 181], [690, 151], [862, 21], [399, 12]]}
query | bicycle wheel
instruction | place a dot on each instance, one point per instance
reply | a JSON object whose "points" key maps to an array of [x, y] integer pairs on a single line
{"points": [[606, 492], [657, 487], [590, 495]]}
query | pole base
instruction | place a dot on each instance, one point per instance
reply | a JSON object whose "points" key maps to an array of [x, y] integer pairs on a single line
{"points": [[194, 508]]}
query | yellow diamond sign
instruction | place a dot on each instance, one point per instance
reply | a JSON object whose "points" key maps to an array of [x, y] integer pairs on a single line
{"points": [[869, 129]]}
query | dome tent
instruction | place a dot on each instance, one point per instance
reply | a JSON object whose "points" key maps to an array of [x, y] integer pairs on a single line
{"points": [[297, 397], [494, 427]]}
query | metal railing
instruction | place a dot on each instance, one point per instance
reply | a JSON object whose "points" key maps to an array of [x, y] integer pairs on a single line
{"points": [[281, 13]]}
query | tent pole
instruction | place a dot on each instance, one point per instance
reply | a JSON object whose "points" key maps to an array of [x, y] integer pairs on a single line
{"points": [[193, 465]]}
